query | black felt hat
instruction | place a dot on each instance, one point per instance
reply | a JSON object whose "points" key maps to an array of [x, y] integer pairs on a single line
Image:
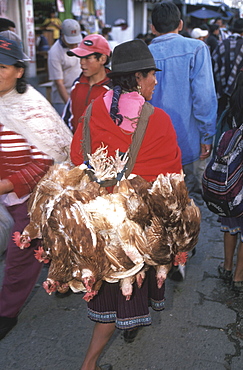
{"points": [[131, 56], [238, 26]]}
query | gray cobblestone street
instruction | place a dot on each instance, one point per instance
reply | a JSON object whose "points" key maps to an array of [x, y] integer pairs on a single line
{"points": [[201, 327]]}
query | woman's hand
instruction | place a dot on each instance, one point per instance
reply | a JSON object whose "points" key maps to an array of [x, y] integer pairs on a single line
{"points": [[5, 186]]}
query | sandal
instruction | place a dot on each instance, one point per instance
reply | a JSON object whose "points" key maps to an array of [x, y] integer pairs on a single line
{"points": [[237, 286], [225, 275]]}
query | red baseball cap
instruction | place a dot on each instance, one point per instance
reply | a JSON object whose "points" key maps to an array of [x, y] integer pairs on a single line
{"points": [[89, 45]]}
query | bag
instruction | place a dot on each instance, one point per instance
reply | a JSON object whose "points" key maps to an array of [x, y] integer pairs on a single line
{"points": [[222, 181]]}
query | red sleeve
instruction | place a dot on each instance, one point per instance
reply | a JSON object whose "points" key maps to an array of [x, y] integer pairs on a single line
{"points": [[22, 164], [27, 178]]}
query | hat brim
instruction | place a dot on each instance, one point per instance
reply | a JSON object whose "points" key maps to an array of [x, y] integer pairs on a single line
{"points": [[26, 58], [7, 60], [73, 39], [78, 52], [204, 34], [120, 73]]}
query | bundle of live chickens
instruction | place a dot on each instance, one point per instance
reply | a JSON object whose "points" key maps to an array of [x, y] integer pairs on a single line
{"points": [[90, 235]]}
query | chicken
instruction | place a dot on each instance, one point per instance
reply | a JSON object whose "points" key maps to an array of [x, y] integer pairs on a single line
{"points": [[43, 197], [109, 218], [80, 249], [176, 222], [185, 232], [161, 273], [168, 195], [106, 168], [57, 252], [135, 193], [60, 195], [90, 236]]}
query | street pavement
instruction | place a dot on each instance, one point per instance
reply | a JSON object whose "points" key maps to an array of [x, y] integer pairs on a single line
{"points": [[201, 327]]}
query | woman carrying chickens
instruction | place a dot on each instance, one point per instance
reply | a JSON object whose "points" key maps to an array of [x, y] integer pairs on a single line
{"points": [[32, 136], [113, 121]]}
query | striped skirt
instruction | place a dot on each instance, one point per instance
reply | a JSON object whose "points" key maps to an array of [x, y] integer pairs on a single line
{"points": [[111, 306], [233, 225]]}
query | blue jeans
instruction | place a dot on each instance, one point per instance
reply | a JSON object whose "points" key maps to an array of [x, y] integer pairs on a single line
{"points": [[193, 179]]}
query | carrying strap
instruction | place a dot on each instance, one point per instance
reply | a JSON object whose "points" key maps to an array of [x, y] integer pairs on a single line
{"points": [[138, 136]]}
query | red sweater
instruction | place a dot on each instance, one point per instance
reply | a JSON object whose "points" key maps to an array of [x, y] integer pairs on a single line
{"points": [[80, 97], [21, 163], [159, 152]]}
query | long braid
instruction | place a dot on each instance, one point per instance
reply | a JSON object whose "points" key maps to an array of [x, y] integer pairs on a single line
{"points": [[116, 117]]}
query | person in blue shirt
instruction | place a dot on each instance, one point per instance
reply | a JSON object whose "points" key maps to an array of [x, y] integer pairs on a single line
{"points": [[185, 91]]}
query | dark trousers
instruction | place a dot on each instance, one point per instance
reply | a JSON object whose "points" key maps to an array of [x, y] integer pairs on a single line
{"points": [[21, 267], [223, 102]]}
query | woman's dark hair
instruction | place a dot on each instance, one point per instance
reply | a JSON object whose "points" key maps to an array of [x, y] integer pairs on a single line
{"points": [[21, 85], [128, 82], [125, 82], [236, 101], [166, 17], [98, 55]]}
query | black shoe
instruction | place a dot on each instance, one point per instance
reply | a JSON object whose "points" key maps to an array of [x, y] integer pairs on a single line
{"points": [[106, 367], [225, 275], [177, 273], [63, 295], [130, 335], [192, 253], [6, 324], [237, 286]]}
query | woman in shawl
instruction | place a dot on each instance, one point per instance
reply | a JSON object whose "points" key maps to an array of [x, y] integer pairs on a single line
{"points": [[32, 137]]}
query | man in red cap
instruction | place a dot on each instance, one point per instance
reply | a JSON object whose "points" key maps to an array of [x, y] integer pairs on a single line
{"points": [[94, 52]]}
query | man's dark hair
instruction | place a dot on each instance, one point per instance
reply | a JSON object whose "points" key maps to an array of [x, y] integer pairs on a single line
{"points": [[5, 24], [166, 17], [213, 27], [219, 19], [98, 55]]}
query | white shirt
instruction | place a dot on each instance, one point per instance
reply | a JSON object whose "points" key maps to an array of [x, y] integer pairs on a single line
{"points": [[62, 67]]}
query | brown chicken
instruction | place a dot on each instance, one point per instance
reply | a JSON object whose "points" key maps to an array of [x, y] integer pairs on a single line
{"points": [[43, 197]]}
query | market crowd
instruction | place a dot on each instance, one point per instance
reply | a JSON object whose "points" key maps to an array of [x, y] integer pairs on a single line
{"points": [[189, 79]]}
